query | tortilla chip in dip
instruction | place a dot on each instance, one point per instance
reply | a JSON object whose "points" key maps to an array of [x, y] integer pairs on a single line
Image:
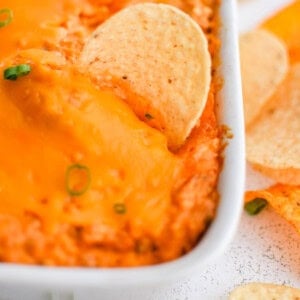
{"points": [[160, 55]]}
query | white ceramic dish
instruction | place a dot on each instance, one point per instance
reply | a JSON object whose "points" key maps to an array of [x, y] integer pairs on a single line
{"points": [[30, 282]]}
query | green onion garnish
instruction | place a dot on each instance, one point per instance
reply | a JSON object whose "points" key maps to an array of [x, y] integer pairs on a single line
{"points": [[9, 16], [13, 73], [78, 179], [255, 206], [120, 208], [149, 116]]}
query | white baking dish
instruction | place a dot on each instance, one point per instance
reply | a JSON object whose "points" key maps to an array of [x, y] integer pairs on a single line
{"points": [[30, 282]]}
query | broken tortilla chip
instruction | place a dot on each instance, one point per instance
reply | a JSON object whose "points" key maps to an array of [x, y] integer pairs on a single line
{"points": [[264, 65], [273, 141], [285, 200], [264, 291], [286, 25], [160, 61]]}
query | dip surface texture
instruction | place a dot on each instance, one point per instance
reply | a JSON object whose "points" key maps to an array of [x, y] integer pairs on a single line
{"points": [[84, 181]]}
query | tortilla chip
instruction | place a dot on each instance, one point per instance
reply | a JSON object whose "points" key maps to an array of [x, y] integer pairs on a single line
{"points": [[286, 25], [264, 291], [134, 49], [273, 141], [264, 65], [285, 199]]}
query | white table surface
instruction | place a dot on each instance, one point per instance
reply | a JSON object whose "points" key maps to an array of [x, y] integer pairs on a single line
{"points": [[266, 248]]}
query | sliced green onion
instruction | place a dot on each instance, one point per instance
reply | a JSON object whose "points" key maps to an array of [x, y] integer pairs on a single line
{"points": [[77, 187], [23, 70], [149, 116], [255, 206], [13, 73], [120, 208], [10, 73], [8, 12]]}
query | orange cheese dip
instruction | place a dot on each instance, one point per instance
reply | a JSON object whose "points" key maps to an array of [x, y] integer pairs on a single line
{"points": [[83, 181]]}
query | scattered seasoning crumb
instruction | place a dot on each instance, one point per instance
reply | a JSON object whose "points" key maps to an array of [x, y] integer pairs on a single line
{"points": [[149, 116], [208, 220], [145, 245], [120, 208]]}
